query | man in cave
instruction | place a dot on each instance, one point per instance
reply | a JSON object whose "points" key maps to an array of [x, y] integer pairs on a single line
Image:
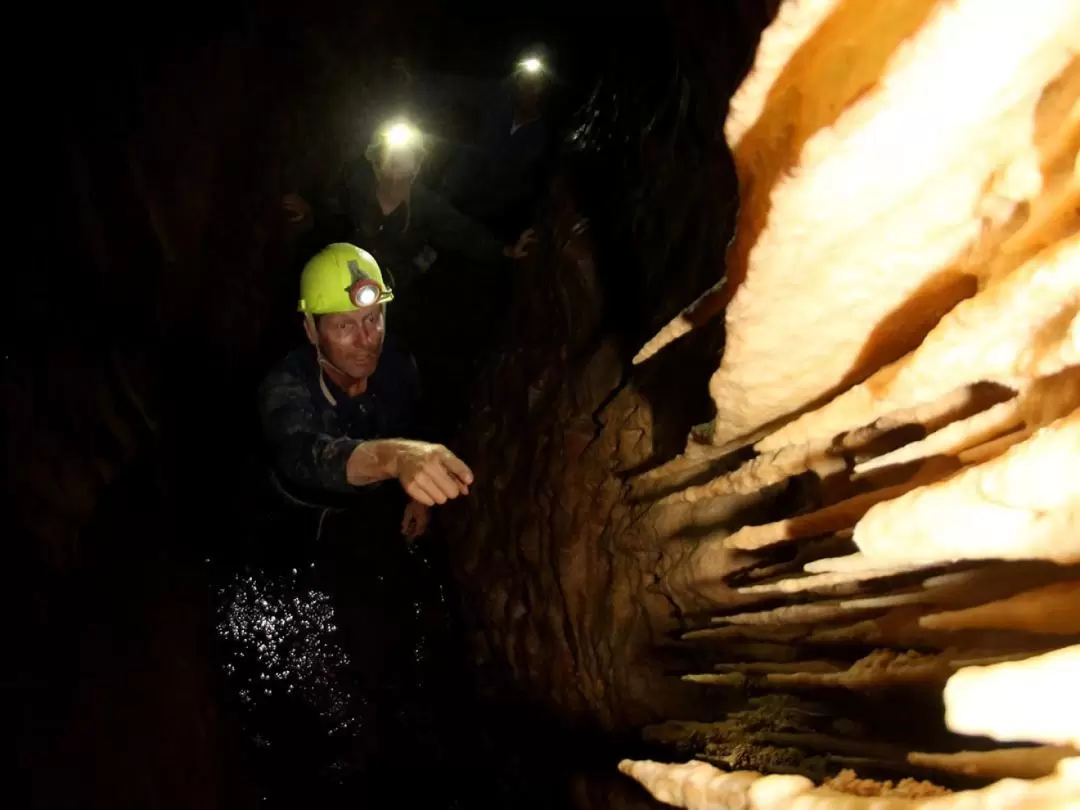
{"points": [[496, 174], [382, 204], [335, 412], [333, 627], [398, 219]]}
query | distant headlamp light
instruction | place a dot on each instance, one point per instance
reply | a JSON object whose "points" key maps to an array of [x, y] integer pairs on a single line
{"points": [[401, 136], [531, 65]]}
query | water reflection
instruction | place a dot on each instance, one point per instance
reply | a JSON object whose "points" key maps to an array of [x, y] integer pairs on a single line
{"points": [[280, 640], [337, 656]]}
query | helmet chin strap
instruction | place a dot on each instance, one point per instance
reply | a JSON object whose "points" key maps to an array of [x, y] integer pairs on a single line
{"points": [[324, 363]]}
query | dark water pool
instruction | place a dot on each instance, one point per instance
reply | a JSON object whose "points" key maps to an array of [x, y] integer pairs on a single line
{"points": [[343, 668]]}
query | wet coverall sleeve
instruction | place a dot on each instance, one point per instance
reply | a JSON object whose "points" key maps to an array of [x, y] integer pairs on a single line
{"points": [[442, 92], [452, 230], [304, 453]]}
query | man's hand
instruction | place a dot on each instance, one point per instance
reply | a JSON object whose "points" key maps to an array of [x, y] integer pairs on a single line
{"points": [[415, 522], [431, 474], [296, 208], [520, 249]]}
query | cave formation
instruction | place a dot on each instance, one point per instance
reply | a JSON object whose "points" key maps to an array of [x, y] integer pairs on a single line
{"points": [[777, 458]]}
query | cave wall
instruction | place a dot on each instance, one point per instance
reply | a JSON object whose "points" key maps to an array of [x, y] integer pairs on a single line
{"points": [[580, 560], [557, 563], [872, 538], [884, 506]]}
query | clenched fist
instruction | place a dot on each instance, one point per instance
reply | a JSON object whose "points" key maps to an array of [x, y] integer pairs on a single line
{"points": [[296, 208], [431, 474], [521, 248], [415, 520]]}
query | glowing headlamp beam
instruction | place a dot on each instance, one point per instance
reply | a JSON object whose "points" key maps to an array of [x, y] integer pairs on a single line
{"points": [[532, 65], [400, 136]]}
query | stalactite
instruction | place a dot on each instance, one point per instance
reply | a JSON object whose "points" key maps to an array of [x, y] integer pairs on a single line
{"points": [[841, 581], [788, 614], [1005, 763], [1019, 701], [1017, 328], [707, 306], [1024, 504], [879, 668], [698, 786], [830, 519], [1050, 609], [765, 470], [953, 438]]}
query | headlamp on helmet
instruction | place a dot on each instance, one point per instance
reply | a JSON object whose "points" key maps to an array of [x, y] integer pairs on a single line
{"points": [[531, 65], [332, 278], [401, 135], [365, 293]]}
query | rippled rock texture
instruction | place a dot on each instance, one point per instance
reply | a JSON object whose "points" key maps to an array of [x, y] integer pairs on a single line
{"points": [[883, 502], [558, 563]]}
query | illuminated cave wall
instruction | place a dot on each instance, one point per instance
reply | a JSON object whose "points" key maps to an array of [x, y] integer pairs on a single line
{"points": [[885, 505], [900, 362]]}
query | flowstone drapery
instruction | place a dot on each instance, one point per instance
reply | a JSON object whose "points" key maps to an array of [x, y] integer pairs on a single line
{"points": [[902, 305]]}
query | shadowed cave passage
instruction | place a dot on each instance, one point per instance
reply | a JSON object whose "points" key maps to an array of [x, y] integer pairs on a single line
{"points": [[774, 409], [181, 641]]}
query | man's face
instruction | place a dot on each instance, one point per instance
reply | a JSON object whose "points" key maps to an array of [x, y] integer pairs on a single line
{"points": [[400, 165], [529, 90], [353, 341]]}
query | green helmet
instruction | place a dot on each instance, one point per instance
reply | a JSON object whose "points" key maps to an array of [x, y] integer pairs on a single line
{"points": [[341, 278]]}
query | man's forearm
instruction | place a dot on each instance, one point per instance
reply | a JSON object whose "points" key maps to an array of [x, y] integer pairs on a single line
{"points": [[428, 473], [373, 461], [379, 460]]}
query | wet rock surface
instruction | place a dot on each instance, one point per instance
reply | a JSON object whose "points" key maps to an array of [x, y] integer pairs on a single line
{"points": [[557, 561]]}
